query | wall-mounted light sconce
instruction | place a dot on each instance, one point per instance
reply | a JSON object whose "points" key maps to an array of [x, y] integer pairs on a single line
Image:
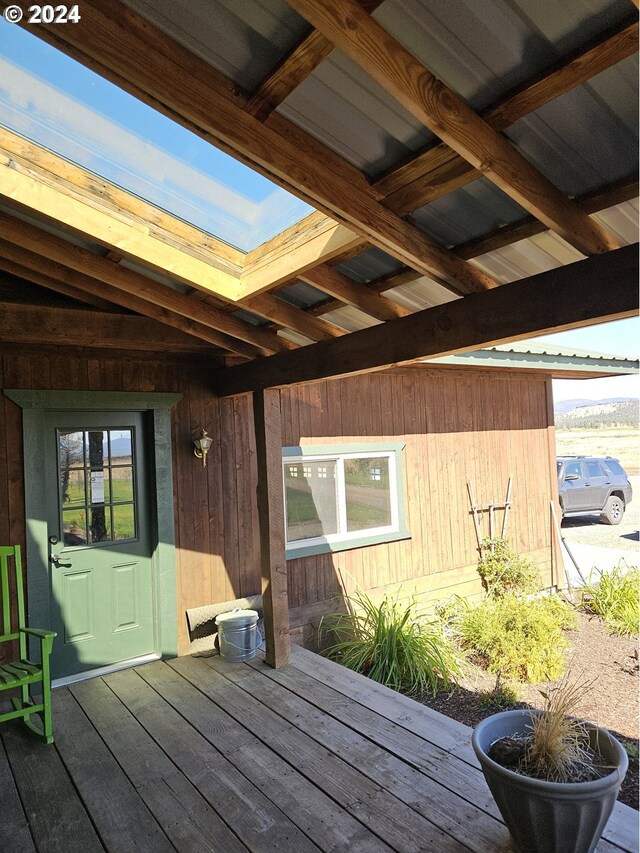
{"points": [[202, 446]]}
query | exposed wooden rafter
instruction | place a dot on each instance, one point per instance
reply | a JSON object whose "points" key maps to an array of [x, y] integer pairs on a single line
{"points": [[590, 203], [448, 116], [350, 292], [31, 193], [50, 185], [315, 240], [143, 60], [439, 170], [37, 324], [568, 297], [129, 282], [52, 170], [37, 276], [62, 279], [293, 69]]}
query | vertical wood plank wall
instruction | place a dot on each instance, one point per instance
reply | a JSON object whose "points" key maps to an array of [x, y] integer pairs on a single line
{"points": [[217, 536], [457, 426]]}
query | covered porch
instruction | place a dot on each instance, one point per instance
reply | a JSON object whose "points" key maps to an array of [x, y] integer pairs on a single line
{"points": [[200, 754]]}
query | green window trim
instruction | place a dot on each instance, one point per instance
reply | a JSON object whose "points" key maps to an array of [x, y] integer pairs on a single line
{"points": [[344, 541]]}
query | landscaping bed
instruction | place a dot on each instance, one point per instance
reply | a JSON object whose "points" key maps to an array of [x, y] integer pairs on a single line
{"points": [[610, 661]]}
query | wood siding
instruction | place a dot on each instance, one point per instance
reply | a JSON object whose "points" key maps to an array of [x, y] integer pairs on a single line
{"points": [[217, 538], [457, 425]]}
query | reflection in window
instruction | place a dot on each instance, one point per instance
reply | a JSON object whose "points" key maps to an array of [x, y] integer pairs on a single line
{"points": [[97, 489], [331, 500], [311, 500], [368, 503]]}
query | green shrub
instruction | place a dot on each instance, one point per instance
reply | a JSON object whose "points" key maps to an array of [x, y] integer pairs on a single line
{"points": [[505, 572], [615, 596], [517, 638], [500, 698], [389, 643]]}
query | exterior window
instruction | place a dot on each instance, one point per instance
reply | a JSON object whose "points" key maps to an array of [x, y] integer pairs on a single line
{"points": [[593, 470], [339, 498], [97, 488]]}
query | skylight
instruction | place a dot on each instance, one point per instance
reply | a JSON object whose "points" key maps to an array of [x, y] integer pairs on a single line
{"points": [[59, 104]]}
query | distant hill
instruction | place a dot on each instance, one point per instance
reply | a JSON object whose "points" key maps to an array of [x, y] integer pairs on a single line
{"points": [[563, 406], [595, 415]]}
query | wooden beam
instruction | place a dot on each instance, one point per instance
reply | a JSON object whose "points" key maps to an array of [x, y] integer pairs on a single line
{"points": [[76, 327], [62, 279], [44, 280], [279, 311], [315, 240], [129, 50], [29, 191], [350, 292], [270, 495], [130, 282], [84, 185], [288, 74], [291, 71], [448, 116], [592, 202], [601, 288], [439, 170]]}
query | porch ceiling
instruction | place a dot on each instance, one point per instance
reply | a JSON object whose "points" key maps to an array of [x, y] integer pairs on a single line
{"points": [[447, 155]]}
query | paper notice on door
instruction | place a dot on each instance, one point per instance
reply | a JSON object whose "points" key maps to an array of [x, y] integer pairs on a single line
{"points": [[97, 487]]}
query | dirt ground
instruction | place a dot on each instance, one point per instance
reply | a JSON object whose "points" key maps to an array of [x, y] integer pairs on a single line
{"points": [[596, 655]]}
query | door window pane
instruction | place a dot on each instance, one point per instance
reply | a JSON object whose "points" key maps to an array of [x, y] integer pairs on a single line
{"points": [[367, 493], [593, 470], [121, 484], [74, 527], [311, 499], [100, 524], [97, 448], [120, 446], [72, 487], [71, 447], [123, 522]]}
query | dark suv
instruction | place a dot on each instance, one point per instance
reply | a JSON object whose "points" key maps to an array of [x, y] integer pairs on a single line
{"points": [[593, 484]]}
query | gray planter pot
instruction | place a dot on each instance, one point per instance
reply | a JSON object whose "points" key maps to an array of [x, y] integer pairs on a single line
{"points": [[549, 817]]}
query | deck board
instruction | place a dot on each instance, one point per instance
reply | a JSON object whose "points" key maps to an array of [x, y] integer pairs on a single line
{"points": [[199, 754]]}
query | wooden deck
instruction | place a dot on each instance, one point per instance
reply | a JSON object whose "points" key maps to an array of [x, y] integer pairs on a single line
{"points": [[201, 755]]}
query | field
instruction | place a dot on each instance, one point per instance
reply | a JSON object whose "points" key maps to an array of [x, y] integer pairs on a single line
{"points": [[619, 442]]}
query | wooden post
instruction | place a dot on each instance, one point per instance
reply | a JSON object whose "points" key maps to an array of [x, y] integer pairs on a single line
{"points": [[266, 416]]}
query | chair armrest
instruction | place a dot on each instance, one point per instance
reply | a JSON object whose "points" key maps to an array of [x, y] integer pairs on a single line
{"points": [[38, 632]]}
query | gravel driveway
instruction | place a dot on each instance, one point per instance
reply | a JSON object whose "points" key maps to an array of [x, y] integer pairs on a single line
{"points": [[597, 545]]}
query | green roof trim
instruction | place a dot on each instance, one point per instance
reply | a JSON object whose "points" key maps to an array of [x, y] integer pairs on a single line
{"points": [[549, 359]]}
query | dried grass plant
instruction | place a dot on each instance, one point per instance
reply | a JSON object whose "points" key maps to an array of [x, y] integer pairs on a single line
{"points": [[559, 748]]}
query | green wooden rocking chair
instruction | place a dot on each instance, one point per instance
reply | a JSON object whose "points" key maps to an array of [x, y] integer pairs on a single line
{"points": [[23, 673]]}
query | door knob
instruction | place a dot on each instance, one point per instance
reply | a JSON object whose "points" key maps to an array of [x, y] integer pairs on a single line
{"points": [[55, 559]]}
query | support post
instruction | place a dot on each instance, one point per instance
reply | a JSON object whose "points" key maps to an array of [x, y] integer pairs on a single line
{"points": [[266, 415]]}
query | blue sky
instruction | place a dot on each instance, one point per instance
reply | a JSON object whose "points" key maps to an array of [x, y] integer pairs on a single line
{"points": [[89, 88], [621, 338], [54, 101]]}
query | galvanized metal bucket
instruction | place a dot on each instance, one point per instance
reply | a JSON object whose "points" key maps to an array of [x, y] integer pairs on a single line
{"points": [[237, 635]]}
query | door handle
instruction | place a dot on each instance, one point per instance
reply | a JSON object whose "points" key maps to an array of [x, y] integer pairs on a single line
{"points": [[55, 559]]}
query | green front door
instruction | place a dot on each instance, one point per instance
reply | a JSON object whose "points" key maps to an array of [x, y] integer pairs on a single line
{"points": [[99, 539]]}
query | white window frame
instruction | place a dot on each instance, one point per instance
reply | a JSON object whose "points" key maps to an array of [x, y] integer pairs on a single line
{"points": [[344, 539]]}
